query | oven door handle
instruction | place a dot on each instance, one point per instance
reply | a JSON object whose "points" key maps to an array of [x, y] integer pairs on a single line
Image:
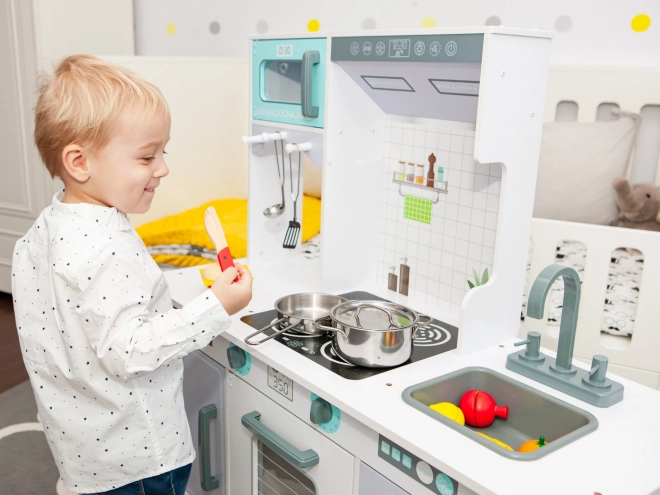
{"points": [[300, 458], [206, 414], [309, 59]]}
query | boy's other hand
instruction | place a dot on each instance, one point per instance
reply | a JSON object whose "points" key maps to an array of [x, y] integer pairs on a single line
{"points": [[233, 296]]}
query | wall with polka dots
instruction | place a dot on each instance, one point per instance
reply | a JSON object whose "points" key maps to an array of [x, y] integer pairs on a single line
{"points": [[588, 32]]}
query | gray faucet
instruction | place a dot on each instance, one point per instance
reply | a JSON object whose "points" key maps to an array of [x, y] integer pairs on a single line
{"points": [[590, 386], [569, 311]]}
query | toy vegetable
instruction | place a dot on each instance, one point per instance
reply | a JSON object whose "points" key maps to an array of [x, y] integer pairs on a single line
{"points": [[480, 409], [494, 440], [450, 410], [532, 445]]}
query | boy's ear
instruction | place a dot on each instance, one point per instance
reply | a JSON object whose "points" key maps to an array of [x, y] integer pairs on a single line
{"points": [[75, 163]]}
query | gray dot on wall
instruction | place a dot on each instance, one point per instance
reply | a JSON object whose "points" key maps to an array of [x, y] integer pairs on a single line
{"points": [[262, 26], [369, 23], [563, 23], [214, 27], [493, 20]]}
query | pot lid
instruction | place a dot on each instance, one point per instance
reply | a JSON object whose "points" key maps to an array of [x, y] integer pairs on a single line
{"points": [[374, 315]]}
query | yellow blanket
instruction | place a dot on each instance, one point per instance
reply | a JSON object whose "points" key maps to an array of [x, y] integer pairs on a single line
{"points": [[187, 228]]}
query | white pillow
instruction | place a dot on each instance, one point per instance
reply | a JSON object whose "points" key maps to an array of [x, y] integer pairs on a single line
{"points": [[577, 165]]}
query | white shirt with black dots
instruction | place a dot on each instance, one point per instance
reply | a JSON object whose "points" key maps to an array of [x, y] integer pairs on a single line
{"points": [[103, 346]]}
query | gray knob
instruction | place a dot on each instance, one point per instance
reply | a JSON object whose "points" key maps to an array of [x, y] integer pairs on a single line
{"points": [[320, 411], [236, 356]]}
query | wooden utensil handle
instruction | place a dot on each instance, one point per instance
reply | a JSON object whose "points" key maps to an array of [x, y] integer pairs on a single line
{"points": [[225, 259]]}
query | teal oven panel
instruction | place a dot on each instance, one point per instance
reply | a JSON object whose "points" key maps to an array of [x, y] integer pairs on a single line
{"points": [[288, 81]]}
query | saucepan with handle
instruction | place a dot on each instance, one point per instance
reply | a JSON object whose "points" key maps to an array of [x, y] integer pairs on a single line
{"points": [[299, 313], [374, 334]]}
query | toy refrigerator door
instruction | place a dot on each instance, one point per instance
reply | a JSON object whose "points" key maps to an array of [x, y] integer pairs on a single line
{"points": [[258, 467], [203, 393]]}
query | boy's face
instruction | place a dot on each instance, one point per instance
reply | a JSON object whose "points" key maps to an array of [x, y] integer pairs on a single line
{"points": [[126, 172]]}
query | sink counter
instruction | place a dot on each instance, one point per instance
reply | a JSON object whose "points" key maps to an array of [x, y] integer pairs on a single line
{"points": [[620, 457]]}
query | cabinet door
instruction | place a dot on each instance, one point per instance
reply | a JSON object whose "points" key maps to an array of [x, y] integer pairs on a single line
{"points": [[374, 483], [203, 386], [263, 467]]}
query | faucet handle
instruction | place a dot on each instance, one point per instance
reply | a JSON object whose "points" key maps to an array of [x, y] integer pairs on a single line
{"points": [[597, 372], [533, 344]]}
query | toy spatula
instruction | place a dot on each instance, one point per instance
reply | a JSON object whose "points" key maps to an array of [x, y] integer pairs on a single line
{"points": [[293, 232], [217, 235]]}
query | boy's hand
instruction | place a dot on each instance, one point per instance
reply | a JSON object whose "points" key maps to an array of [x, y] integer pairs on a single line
{"points": [[233, 296]]}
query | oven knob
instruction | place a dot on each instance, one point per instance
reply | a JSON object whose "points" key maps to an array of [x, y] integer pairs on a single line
{"points": [[320, 412], [236, 356]]}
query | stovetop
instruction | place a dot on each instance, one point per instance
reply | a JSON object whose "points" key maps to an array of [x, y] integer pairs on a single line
{"points": [[434, 339]]}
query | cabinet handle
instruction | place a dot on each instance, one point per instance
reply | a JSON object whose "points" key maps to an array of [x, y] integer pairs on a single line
{"points": [[206, 414], [300, 458], [309, 59]]}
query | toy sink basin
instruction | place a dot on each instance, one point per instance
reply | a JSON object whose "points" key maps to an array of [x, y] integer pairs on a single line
{"points": [[532, 413]]}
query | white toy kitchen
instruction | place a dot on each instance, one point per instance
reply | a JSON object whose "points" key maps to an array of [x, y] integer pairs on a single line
{"points": [[428, 144]]}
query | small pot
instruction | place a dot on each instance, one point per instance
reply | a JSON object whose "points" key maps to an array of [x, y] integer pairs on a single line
{"points": [[374, 334], [299, 313]]}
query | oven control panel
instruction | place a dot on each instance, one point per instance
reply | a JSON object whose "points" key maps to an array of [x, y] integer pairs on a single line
{"points": [[434, 479]]}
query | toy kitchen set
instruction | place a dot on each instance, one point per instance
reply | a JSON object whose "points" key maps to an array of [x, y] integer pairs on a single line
{"points": [[388, 363]]}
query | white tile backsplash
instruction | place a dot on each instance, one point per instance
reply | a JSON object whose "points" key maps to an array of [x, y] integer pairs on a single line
{"points": [[461, 236]]}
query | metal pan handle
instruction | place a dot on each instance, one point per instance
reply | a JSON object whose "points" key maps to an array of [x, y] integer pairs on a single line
{"points": [[318, 323], [421, 325], [289, 327]]}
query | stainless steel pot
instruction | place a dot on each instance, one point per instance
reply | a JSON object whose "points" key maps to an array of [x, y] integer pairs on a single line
{"points": [[374, 334], [298, 313]]}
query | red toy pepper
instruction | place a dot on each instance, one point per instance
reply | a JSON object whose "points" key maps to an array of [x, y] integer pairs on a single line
{"points": [[480, 410]]}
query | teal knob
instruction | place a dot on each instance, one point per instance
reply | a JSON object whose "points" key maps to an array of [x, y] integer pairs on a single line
{"points": [[320, 412], [236, 357]]}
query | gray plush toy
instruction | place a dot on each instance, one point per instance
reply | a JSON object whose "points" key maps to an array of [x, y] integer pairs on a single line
{"points": [[639, 205]]}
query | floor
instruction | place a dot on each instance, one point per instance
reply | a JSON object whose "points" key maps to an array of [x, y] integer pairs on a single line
{"points": [[12, 370]]}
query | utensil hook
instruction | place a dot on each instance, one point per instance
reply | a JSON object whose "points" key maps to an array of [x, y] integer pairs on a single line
{"points": [[295, 197], [281, 175]]}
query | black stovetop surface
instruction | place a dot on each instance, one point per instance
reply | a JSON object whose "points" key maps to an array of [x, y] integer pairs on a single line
{"points": [[435, 339]]}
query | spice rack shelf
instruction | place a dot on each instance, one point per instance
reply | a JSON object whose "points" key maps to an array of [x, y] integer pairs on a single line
{"points": [[438, 190]]}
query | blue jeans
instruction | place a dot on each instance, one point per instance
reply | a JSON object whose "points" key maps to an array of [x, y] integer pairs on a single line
{"points": [[170, 483]]}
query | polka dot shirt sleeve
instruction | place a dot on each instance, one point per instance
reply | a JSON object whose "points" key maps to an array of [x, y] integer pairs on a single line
{"points": [[110, 296]]}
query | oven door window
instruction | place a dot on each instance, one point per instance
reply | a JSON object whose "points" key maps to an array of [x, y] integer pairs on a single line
{"points": [[276, 476], [281, 80]]}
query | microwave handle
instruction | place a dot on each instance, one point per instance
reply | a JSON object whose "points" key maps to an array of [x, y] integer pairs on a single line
{"points": [[309, 59], [300, 458]]}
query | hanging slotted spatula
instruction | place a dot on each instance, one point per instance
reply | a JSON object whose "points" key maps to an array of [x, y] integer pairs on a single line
{"points": [[217, 235], [293, 232]]}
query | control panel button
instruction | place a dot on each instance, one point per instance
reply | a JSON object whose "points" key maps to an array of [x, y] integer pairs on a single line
{"points": [[385, 447], [444, 485], [424, 472], [451, 48], [407, 461], [396, 454]]}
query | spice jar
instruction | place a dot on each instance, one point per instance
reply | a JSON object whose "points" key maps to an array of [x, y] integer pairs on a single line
{"points": [[410, 172], [419, 173]]}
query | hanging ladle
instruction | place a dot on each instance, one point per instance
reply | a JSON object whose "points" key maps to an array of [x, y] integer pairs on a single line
{"points": [[276, 210]]}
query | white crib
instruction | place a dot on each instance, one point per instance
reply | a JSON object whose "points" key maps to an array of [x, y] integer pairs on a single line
{"points": [[632, 89]]}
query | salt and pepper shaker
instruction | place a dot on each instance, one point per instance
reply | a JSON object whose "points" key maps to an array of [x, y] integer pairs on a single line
{"points": [[404, 277], [392, 280], [430, 176]]}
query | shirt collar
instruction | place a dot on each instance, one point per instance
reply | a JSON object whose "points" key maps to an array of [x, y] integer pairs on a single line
{"points": [[109, 216]]}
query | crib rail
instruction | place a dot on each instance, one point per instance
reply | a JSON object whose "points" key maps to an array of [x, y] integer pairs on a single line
{"points": [[642, 351]]}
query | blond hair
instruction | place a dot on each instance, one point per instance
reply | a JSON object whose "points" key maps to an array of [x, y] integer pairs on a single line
{"points": [[81, 103]]}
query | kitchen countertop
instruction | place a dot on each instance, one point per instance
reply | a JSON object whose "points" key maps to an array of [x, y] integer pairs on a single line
{"points": [[621, 457]]}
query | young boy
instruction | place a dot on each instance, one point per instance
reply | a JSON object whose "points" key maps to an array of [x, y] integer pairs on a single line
{"points": [[99, 337]]}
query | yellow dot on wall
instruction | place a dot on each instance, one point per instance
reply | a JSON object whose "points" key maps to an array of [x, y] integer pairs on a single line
{"points": [[640, 23], [170, 28], [313, 26], [428, 22]]}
